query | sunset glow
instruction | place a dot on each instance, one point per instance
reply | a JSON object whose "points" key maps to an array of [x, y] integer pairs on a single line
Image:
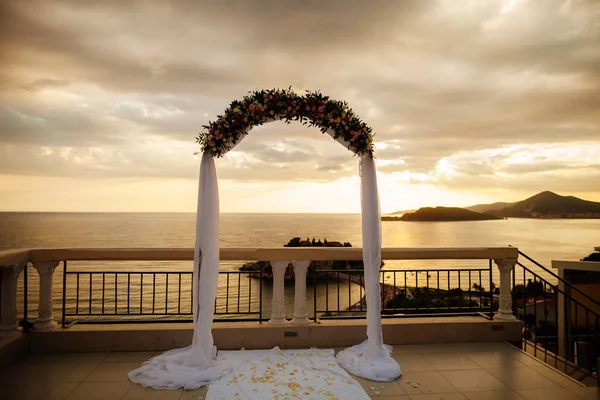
{"points": [[491, 101]]}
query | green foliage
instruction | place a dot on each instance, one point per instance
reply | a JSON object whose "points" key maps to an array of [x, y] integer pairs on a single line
{"points": [[432, 298], [312, 109], [592, 257], [532, 289]]}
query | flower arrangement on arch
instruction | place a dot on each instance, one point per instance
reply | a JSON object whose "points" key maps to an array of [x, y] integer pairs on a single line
{"points": [[312, 109]]}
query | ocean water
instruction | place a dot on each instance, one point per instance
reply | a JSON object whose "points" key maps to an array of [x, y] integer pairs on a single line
{"points": [[543, 240]]}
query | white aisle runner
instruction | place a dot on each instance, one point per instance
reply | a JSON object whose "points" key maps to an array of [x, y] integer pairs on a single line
{"points": [[283, 374]]}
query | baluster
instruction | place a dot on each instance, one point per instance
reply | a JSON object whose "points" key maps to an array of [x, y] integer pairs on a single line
{"points": [[278, 302], [505, 312], [45, 308], [8, 320], [300, 316]]}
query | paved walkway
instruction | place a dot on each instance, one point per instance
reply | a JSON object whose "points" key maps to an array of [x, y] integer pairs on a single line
{"points": [[474, 371]]}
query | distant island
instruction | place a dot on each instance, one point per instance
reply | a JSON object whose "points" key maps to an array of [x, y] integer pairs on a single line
{"points": [[442, 214], [337, 265], [543, 205]]}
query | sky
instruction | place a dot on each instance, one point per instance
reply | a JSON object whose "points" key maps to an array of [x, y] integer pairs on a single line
{"points": [[470, 101]]}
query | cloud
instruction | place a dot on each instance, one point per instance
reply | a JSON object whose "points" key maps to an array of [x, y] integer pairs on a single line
{"points": [[574, 168], [42, 84], [447, 87]]}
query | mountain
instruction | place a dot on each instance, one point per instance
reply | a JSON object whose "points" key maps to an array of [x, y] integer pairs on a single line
{"points": [[445, 214], [550, 205], [483, 208], [402, 212], [543, 205]]}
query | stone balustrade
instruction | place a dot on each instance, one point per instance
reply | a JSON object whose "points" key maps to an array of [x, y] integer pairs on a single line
{"points": [[277, 313], [12, 263]]}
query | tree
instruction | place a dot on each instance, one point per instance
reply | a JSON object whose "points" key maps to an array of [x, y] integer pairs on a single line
{"points": [[534, 289], [592, 257], [295, 242], [494, 289], [478, 288]]}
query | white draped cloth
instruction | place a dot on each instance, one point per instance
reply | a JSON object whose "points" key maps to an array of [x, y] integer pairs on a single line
{"points": [[197, 365], [371, 359]]}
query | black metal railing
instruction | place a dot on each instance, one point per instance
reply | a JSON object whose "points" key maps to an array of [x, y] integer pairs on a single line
{"points": [[156, 296], [23, 301], [407, 292], [560, 280], [561, 326], [93, 296]]}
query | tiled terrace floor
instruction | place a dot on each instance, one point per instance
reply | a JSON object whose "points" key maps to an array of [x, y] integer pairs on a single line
{"points": [[474, 371]]}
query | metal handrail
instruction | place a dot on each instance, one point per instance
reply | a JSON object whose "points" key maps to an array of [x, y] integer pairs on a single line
{"points": [[561, 280], [579, 308], [116, 316], [402, 311], [567, 296]]}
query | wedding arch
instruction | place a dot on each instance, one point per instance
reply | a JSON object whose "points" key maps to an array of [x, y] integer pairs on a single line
{"points": [[195, 366]]}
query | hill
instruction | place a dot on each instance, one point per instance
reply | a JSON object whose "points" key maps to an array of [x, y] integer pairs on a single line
{"points": [[486, 208], [543, 205], [402, 212], [446, 214], [550, 205]]}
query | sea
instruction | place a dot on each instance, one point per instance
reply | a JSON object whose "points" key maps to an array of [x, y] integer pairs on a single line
{"points": [[541, 239]]}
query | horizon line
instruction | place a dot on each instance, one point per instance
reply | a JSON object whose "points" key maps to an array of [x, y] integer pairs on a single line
{"points": [[166, 212]]}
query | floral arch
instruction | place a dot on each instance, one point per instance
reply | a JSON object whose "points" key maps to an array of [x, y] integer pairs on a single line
{"points": [[330, 116], [195, 366]]}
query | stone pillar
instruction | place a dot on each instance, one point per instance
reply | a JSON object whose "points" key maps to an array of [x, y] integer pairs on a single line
{"points": [[300, 317], [505, 312], [45, 309], [278, 302], [8, 314]]}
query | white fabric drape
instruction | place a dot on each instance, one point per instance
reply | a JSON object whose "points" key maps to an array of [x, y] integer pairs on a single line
{"points": [[371, 359], [206, 263], [194, 366]]}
